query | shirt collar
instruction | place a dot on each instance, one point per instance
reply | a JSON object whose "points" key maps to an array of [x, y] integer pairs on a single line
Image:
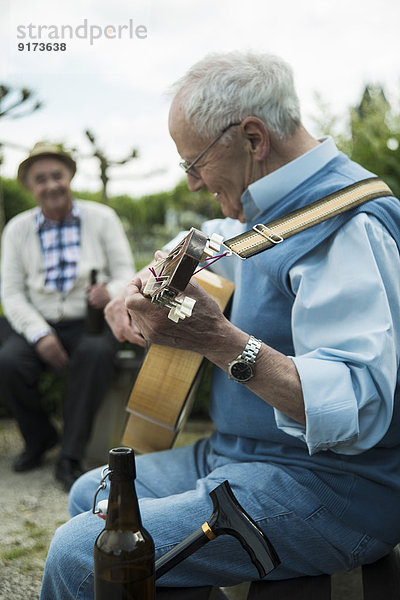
{"points": [[73, 217], [267, 191]]}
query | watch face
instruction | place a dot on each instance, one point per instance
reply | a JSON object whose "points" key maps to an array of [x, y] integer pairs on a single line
{"points": [[241, 370]]}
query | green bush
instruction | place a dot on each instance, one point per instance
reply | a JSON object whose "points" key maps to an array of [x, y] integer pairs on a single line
{"points": [[15, 197]]}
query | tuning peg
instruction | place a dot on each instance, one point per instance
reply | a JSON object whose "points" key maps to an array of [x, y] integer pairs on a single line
{"points": [[213, 245], [182, 309], [215, 242]]}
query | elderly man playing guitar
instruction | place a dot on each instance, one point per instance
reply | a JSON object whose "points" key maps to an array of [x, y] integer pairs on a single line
{"points": [[305, 393]]}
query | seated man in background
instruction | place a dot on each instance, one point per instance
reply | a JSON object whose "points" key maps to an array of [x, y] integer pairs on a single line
{"points": [[47, 256], [308, 428]]}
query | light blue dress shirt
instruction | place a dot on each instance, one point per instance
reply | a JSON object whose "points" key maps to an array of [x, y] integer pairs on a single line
{"points": [[346, 335]]}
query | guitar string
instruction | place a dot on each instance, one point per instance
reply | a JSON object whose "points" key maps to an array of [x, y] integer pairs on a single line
{"points": [[213, 259], [159, 276]]}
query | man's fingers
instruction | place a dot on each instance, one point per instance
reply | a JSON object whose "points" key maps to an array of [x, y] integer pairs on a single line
{"points": [[159, 254]]}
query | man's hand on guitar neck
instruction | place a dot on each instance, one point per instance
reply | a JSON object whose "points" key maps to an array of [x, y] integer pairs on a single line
{"points": [[206, 327], [118, 317]]}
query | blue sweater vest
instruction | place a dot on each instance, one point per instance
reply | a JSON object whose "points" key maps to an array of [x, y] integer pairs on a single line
{"points": [[363, 489]]}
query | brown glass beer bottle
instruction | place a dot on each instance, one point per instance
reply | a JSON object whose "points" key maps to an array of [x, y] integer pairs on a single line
{"points": [[124, 550]]}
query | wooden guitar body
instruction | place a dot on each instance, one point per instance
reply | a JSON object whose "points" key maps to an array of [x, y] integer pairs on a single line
{"points": [[165, 387]]}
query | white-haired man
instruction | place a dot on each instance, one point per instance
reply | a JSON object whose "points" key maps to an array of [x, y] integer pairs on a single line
{"points": [[309, 443]]}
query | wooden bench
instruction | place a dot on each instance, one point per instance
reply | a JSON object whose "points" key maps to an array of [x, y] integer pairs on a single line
{"points": [[379, 581], [111, 417]]}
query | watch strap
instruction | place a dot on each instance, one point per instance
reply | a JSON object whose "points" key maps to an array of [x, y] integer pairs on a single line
{"points": [[251, 350], [241, 369]]}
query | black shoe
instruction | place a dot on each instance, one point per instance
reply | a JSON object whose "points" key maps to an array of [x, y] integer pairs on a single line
{"points": [[67, 471], [31, 458]]}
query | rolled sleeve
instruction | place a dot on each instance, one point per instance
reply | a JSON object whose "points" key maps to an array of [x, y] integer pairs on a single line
{"points": [[330, 405], [346, 335]]}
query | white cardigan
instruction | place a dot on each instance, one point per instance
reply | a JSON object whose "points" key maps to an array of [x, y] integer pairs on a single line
{"points": [[27, 304]]}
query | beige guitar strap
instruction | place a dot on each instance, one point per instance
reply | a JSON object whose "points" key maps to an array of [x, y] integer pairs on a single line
{"points": [[261, 237]]}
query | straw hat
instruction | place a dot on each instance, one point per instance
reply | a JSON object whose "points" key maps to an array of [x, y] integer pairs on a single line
{"points": [[41, 150]]}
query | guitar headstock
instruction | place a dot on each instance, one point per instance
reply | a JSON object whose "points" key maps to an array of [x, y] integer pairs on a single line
{"points": [[170, 275]]}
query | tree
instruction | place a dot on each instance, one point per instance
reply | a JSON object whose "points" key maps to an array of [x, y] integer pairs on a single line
{"points": [[17, 103], [105, 163], [14, 104], [375, 136], [370, 135]]}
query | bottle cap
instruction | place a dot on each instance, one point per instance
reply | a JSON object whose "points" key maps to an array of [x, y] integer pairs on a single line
{"points": [[122, 462]]}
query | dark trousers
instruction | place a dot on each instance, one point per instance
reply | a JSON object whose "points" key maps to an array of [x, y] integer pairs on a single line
{"points": [[90, 373]]}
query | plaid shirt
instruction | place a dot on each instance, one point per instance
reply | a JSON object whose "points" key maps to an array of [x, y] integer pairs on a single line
{"points": [[60, 242]]}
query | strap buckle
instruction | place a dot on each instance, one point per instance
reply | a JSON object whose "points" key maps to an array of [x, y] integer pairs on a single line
{"points": [[268, 233]]}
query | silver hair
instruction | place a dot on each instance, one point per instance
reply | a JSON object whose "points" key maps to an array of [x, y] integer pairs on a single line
{"points": [[224, 88]]}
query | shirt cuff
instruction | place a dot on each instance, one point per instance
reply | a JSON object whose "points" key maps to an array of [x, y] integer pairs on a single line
{"points": [[330, 406], [40, 335]]}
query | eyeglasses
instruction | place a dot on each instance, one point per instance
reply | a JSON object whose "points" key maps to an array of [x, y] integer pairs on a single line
{"points": [[188, 168]]}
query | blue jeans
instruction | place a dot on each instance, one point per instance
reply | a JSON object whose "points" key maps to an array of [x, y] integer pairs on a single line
{"points": [[173, 487]]}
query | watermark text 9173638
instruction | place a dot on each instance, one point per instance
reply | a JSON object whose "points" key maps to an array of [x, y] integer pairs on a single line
{"points": [[42, 47], [85, 31]]}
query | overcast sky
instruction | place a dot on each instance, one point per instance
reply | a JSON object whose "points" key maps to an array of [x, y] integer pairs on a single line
{"points": [[115, 83]]}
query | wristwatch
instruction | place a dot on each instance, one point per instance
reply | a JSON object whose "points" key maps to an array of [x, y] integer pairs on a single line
{"points": [[242, 368]]}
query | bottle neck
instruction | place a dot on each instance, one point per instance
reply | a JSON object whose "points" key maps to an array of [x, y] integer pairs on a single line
{"points": [[123, 508], [93, 276]]}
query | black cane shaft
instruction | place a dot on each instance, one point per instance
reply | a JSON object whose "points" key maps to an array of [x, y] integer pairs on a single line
{"points": [[172, 558]]}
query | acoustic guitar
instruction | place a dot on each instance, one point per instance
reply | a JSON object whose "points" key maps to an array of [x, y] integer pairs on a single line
{"points": [[166, 385]]}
